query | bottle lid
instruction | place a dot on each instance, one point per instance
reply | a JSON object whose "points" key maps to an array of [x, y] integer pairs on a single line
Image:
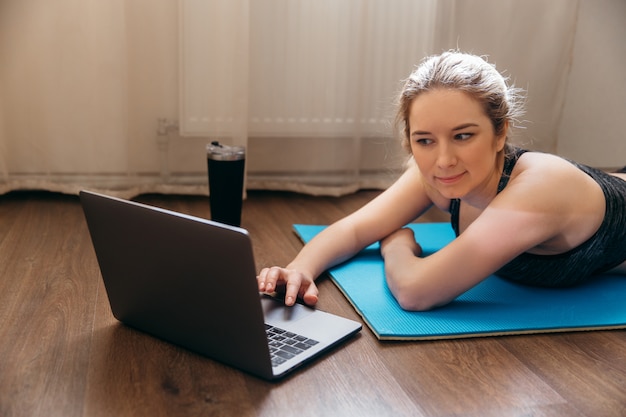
{"points": [[218, 152]]}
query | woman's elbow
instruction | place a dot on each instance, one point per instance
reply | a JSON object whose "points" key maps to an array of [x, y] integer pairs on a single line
{"points": [[414, 294], [416, 297], [411, 302]]}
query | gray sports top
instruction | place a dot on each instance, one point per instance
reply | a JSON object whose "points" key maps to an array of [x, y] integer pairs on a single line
{"points": [[603, 251]]}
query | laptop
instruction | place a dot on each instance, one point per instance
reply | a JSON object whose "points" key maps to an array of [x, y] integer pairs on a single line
{"points": [[192, 282]]}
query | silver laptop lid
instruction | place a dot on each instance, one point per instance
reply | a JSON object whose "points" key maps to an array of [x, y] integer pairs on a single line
{"points": [[184, 279]]}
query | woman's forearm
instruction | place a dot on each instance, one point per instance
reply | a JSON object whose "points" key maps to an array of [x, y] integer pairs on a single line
{"points": [[402, 274], [333, 245]]}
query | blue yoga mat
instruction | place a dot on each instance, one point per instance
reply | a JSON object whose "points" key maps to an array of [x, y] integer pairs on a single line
{"points": [[494, 307]]}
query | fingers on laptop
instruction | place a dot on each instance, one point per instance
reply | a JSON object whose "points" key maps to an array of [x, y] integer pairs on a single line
{"points": [[268, 279], [298, 286], [311, 294], [291, 281]]}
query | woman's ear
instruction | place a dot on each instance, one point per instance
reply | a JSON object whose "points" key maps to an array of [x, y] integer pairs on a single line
{"points": [[501, 139]]}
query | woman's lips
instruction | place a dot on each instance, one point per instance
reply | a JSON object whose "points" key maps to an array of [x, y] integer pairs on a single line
{"points": [[450, 179]]}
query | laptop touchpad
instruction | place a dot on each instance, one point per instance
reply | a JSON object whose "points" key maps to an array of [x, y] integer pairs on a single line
{"points": [[275, 310]]}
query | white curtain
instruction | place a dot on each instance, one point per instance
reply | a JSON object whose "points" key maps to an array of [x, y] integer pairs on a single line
{"points": [[122, 96]]}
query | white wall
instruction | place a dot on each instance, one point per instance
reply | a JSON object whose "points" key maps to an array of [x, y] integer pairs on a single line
{"points": [[592, 129], [97, 74]]}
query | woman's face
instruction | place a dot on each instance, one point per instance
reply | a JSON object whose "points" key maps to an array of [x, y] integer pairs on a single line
{"points": [[454, 144]]}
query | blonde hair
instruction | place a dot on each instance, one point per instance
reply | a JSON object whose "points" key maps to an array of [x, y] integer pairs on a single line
{"points": [[464, 72]]}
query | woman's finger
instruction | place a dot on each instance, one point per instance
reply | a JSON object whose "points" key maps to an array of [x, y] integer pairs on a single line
{"points": [[292, 288]]}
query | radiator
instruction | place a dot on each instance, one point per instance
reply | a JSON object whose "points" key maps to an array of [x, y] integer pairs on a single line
{"points": [[303, 68], [213, 67]]}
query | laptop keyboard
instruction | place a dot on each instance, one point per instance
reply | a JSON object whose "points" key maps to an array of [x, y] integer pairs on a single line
{"points": [[285, 345]]}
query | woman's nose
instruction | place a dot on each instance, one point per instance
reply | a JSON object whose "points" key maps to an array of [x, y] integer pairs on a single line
{"points": [[446, 157]]}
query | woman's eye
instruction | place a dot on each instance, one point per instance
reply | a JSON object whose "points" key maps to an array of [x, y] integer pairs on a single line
{"points": [[423, 141], [463, 136]]}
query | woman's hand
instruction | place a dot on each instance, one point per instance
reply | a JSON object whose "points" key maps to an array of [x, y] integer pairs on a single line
{"points": [[295, 284], [400, 238], [402, 270]]}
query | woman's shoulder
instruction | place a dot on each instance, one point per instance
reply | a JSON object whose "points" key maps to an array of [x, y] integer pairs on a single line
{"points": [[549, 182], [550, 193], [546, 169]]}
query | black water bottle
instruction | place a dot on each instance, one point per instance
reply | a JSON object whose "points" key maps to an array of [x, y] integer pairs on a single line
{"points": [[226, 172]]}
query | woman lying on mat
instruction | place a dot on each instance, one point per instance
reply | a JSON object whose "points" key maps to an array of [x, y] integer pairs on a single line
{"points": [[529, 217]]}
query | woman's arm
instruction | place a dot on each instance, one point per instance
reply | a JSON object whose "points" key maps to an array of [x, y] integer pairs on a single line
{"points": [[420, 284], [544, 210], [399, 204]]}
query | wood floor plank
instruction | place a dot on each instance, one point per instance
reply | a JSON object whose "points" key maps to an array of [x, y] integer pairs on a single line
{"points": [[455, 377], [579, 366], [63, 354], [46, 314]]}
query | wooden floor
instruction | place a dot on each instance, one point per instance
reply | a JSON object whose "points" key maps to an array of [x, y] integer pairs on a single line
{"points": [[63, 354]]}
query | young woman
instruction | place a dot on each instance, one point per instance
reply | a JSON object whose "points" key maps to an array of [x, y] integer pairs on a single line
{"points": [[530, 217]]}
